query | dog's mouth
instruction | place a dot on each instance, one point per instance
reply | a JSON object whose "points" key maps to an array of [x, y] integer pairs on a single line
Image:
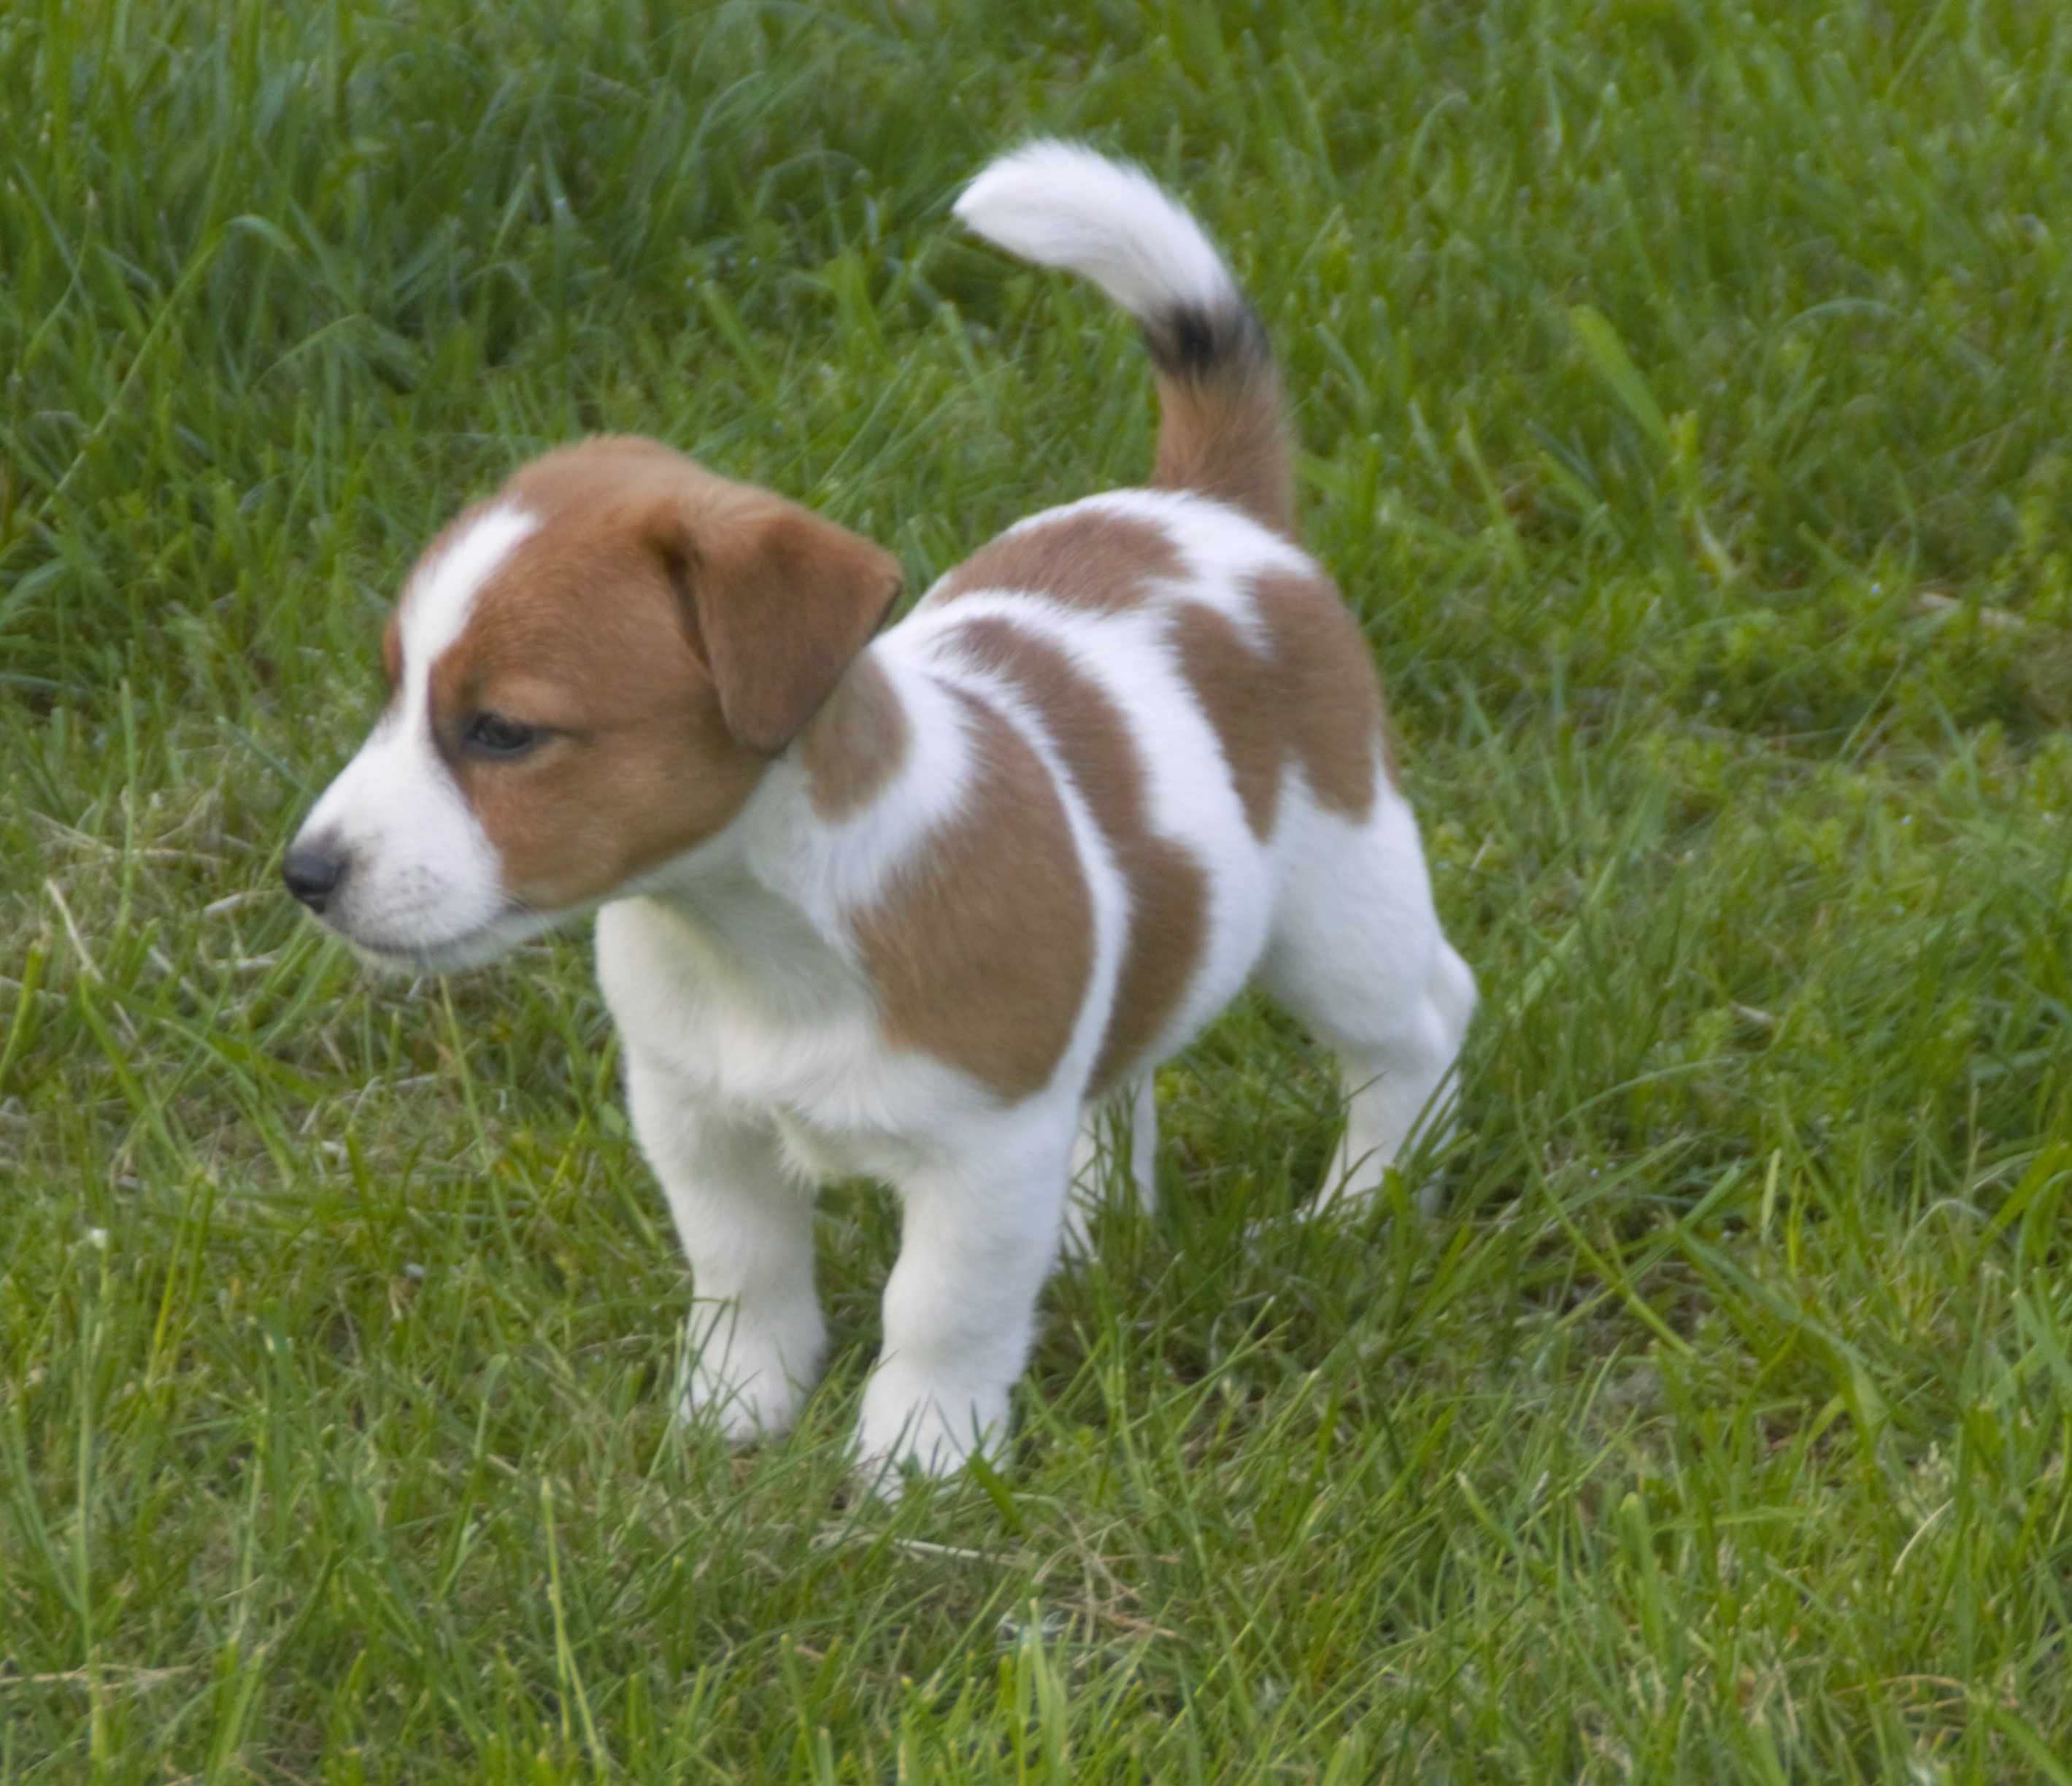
{"points": [[486, 944]]}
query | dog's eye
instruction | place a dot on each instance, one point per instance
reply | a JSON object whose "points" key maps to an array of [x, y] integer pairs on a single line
{"points": [[491, 735]]}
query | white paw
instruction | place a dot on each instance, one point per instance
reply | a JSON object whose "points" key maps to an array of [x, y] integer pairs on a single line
{"points": [[749, 1381], [910, 1418]]}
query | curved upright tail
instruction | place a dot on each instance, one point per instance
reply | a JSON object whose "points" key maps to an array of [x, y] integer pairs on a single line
{"points": [[1222, 427]]}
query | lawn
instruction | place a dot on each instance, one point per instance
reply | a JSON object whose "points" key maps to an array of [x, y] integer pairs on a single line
{"points": [[1683, 394]]}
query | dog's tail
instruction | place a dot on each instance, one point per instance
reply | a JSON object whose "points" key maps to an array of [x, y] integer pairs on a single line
{"points": [[1222, 427]]}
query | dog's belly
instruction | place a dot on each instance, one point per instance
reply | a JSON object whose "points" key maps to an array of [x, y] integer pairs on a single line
{"points": [[821, 1155]]}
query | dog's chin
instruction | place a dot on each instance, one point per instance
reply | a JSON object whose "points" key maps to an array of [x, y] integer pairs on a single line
{"points": [[474, 948]]}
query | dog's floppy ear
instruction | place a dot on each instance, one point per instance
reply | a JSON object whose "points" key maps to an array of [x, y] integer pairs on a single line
{"points": [[780, 600]]}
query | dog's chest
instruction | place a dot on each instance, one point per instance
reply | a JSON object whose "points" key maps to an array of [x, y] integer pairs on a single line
{"points": [[812, 1060]]}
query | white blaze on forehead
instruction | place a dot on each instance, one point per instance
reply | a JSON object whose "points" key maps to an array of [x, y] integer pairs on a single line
{"points": [[423, 875], [441, 596]]}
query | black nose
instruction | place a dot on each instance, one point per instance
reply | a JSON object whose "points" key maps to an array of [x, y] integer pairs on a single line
{"points": [[313, 872]]}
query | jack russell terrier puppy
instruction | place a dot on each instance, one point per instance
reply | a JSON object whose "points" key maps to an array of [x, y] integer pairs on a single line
{"points": [[920, 906]]}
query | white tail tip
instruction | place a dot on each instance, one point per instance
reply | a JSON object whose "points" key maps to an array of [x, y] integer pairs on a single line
{"points": [[1061, 205]]}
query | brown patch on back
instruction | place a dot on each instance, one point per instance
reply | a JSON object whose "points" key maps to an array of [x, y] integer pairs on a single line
{"points": [[1242, 702], [855, 744], [1340, 719], [1312, 694], [982, 950], [1089, 560], [1168, 893]]}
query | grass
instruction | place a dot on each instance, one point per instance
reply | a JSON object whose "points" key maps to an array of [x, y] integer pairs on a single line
{"points": [[1682, 386]]}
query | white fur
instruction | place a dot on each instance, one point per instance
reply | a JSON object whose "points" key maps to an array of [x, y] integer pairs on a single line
{"points": [[441, 598], [1060, 205], [424, 885]]}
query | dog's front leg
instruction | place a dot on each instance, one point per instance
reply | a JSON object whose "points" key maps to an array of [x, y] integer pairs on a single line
{"points": [[755, 1338], [978, 1238]]}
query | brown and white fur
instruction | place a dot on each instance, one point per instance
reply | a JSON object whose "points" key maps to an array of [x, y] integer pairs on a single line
{"points": [[922, 905]]}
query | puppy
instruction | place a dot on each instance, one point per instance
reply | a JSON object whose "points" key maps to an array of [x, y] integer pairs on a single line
{"points": [[920, 906]]}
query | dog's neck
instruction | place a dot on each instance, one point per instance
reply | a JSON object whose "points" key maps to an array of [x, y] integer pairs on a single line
{"points": [[763, 897]]}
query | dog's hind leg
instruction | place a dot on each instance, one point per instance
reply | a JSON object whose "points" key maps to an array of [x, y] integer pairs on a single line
{"points": [[1358, 955], [1122, 1130]]}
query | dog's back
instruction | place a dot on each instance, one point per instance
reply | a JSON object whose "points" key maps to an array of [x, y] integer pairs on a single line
{"points": [[1190, 676]]}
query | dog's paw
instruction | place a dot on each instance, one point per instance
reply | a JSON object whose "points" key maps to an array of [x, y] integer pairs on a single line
{"points": [[749, 1383], [742, 1411], [912, 1420]]}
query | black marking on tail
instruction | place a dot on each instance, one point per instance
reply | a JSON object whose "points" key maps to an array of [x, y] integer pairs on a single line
{"points": [[1223, 414], [1190, 342]]}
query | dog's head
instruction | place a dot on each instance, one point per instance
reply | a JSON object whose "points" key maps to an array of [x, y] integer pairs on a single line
{"points": [[589, 674]]}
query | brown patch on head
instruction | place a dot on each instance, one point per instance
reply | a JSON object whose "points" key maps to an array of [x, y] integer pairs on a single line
{"points": [[1312, 694], [584, 632], [780, 600], [1090, 559], [855, 744], [982, 950], [665, 628], [1168, 893]]}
